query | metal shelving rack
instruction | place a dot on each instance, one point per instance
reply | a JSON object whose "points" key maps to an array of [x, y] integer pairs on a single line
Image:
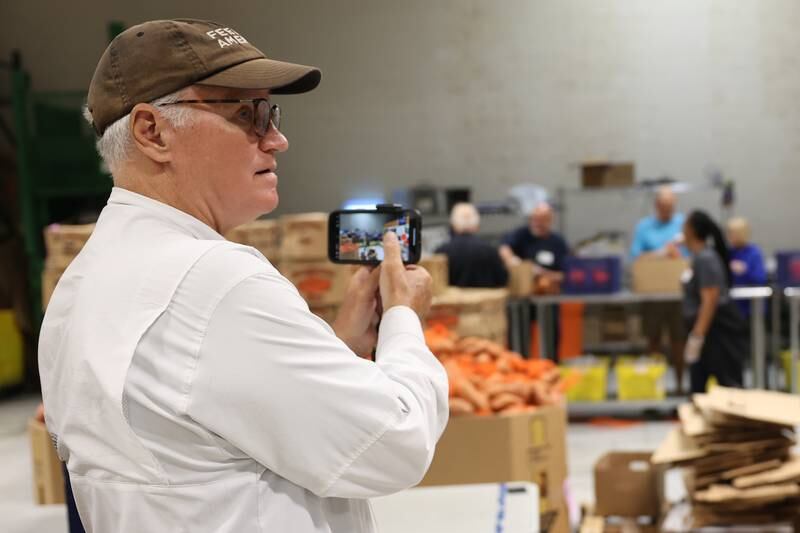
{"points": [[59, 169]]}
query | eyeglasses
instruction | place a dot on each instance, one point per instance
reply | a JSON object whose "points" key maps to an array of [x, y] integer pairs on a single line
{"points": [[261, 114]]}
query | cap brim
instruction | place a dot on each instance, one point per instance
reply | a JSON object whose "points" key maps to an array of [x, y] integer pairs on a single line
{"points": [[277, 76]]}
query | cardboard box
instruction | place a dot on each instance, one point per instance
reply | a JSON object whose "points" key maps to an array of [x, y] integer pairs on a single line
{"points": [[472, 312], [263, 235], [626, 484], [496, 449], [48, 480], [64, 241], [606, 174], [520, 280], [320, 283], [50, 276], [304, 237], [325, 312], [437, 267], [658, 275]]}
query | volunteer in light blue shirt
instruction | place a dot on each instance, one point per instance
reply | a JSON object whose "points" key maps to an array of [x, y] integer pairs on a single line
{"points": [[659, 233]]}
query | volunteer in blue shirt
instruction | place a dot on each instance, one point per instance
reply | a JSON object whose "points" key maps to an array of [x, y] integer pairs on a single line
{"points": [[747, 261], [659, 235], [538, 242]]}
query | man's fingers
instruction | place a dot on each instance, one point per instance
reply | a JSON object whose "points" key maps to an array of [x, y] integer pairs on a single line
{"points": [[391, 250]]}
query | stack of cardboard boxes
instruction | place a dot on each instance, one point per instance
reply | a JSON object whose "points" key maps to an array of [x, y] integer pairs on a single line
{"points": [[263, 235], [472, 313], [304, 262], [504, 448], [62, 243], [736, 447]]}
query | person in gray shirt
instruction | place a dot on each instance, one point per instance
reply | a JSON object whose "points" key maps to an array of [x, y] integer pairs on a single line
{"points": [[716, 345]]}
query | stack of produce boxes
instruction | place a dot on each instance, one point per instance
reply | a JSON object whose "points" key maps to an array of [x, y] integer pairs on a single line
{"points": [[507, 423], [472, 313], [62, 243], [304, 262]]}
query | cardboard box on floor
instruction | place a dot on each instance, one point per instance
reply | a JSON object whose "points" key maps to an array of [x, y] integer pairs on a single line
{"points": [[626, 484], [496, 449], [658, 274], [304, 237], [48, 480]]}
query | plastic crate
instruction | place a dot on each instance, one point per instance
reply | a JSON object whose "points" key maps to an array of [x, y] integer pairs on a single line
{"points": [[788, 268], [592, 275], [641, 378], [786, 365], [592, 382]]}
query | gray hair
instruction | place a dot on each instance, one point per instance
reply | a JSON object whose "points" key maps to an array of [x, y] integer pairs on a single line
{"points": [[464, 218], [116, 143]]}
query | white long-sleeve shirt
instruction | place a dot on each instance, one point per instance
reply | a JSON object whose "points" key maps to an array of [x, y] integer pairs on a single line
{"points": [[190, 389]]}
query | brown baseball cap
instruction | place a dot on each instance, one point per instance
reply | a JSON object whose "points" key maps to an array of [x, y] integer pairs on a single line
{"points": [[156, 58]]}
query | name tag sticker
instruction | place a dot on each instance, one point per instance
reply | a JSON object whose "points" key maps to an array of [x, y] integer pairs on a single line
{"points": [[545, 258]]}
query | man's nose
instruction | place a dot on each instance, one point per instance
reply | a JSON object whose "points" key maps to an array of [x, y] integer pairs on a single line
{"points": [[273, 140]]}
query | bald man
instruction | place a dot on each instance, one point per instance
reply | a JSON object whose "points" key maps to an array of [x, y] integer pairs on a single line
{"points": [[538, 242], [659, 235]]}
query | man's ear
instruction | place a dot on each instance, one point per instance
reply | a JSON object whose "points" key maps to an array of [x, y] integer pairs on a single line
{"points": [[150, 132]]}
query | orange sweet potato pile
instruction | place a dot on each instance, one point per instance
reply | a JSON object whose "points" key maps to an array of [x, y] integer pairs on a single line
{"points": [[485, 378]]}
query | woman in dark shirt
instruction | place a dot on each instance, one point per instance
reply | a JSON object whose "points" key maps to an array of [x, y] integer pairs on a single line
{"points": [[716, 345]]}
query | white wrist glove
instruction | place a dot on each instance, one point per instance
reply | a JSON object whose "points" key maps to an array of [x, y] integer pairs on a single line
{"points": [[694, 345]]}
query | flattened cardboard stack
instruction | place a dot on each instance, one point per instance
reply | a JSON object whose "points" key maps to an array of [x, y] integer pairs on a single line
{"points": [[62, 243], [735, 445], [472, 313]]}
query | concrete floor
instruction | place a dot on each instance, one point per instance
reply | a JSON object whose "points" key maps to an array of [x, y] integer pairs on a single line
{"points": [[18, 514]]}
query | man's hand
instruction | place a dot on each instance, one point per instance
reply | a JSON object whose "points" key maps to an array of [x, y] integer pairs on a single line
{"points": [[400, 284], [357, 321], [672, 251]]}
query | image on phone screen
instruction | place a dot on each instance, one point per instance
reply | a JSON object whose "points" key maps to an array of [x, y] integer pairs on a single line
{"points": [[361, 235]]}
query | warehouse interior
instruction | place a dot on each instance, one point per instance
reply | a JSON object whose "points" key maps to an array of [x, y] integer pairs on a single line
{"points": [[624, 370]]}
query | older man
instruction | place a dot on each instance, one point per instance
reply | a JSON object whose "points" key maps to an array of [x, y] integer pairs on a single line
{"points": [[471, 261], [538, 242], [659, 235], [185, 381]]}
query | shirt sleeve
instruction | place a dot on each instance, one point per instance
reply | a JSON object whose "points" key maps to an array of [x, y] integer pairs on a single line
{"points": [[756, 273], [709, 271], [637, 243], [514, 240], [560, 253], [275, 381]]}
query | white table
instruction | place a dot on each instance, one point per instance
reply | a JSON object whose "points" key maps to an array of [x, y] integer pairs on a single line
{"points": [[481, 508]]}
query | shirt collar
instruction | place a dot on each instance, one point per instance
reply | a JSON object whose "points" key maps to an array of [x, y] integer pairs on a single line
{"points": [[198, 229]]}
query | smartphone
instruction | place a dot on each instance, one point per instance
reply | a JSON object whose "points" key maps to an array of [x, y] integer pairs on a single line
{"points": [[356, 236]]}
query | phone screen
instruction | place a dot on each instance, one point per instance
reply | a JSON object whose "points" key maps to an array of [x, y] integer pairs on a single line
{"points": [[360, 235]]}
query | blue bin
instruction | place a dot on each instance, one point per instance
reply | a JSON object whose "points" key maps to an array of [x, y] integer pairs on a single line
{"points": [[592, 275], [788, 268]]}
